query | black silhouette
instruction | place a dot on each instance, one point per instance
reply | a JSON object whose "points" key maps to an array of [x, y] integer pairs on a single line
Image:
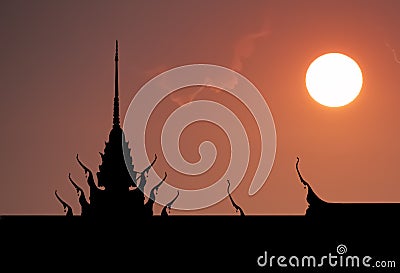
{"points": [[67, 208], [233, 202], [118, 191], [85, 206], [168, 206], [317, 204], [94, 190], [96, 195], [144, 173], [148, 210], [320, 208]]}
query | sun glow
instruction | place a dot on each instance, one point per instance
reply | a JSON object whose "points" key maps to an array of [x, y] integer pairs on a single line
{"points": [[334, 79]]}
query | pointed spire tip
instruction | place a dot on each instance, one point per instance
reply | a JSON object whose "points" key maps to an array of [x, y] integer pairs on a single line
{"points": [[116, 99]]}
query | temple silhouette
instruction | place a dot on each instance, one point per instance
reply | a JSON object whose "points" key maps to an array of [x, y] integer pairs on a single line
{"points": [[119, 190], [319, 208]]}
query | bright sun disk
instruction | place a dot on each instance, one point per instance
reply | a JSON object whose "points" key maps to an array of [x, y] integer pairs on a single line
{"points": [[334, 79]]}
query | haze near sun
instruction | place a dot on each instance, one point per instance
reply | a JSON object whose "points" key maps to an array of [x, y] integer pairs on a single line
{"points": [[334, 79]]}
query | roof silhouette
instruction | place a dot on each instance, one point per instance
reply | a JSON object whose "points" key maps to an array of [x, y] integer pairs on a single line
{"points": [[319, 208]]}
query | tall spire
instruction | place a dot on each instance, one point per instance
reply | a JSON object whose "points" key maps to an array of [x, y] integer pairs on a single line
{"points": [[116, 98]]}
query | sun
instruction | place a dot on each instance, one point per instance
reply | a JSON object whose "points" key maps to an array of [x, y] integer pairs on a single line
{"points": [[334, 79]]}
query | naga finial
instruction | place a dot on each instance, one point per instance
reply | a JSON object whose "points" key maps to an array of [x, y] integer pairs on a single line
{"points": [[67, 208], [305, 183], [168, 206], [233, 202]]}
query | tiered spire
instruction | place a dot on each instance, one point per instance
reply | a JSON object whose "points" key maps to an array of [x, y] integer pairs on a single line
{"points": [[117, 191]]}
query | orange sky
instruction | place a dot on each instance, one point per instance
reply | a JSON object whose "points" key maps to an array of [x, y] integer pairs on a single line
{"points": [[57, 69]]}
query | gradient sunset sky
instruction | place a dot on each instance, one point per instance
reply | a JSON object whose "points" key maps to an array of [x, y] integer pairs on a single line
{"points": [[57, 87]]}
